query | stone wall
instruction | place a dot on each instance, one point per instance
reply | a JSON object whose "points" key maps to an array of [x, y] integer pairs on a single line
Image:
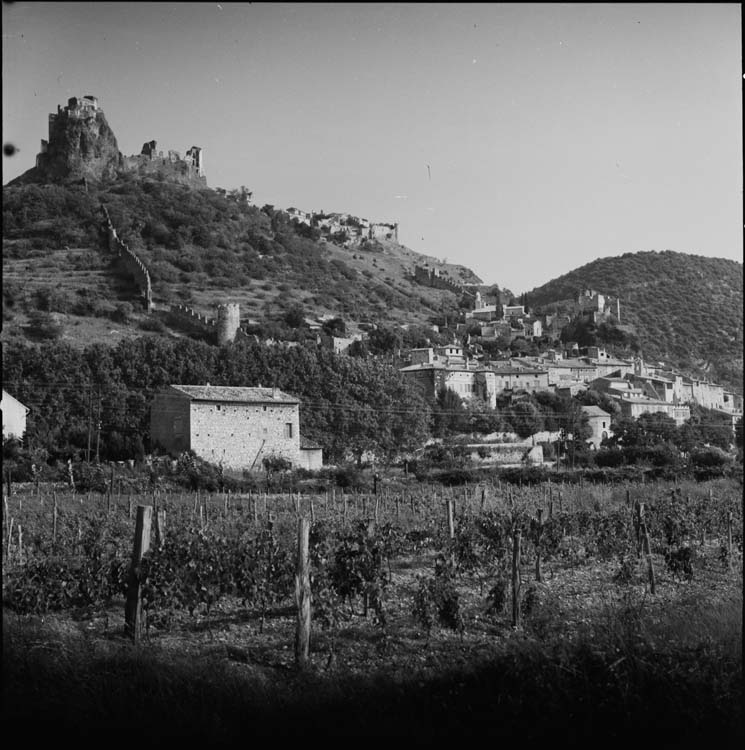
{"points": [[130, 261], [184, 317], [240, 436], [430, 277]]}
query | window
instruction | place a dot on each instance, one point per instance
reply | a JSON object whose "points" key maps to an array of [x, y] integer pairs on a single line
{"points": [[219, 407], [288, 430]]}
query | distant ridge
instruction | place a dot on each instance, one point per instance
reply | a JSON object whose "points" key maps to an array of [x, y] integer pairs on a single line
{"points": [[687, 309]]}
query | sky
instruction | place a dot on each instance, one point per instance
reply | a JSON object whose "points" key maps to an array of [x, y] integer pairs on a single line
{"points": [[521, 140]]}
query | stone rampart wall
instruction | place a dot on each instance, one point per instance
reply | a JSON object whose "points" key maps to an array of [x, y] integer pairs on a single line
{"points": [[427, 277], [131, 262]]}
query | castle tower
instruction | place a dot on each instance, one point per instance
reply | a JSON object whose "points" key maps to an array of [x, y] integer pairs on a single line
{"points": [[228, 322]]}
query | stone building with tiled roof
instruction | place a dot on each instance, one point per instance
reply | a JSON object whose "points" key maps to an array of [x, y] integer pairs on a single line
{"points": [[237, 427]]}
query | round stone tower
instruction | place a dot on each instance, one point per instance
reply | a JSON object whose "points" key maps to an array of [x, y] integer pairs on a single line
{"points": [[228, 322]]}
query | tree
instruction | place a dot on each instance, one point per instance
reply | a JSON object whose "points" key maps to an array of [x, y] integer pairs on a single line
{"points": [[526, 419], [657, 428], [448, 413], [334, 327], [383, 340], [295, 317]]}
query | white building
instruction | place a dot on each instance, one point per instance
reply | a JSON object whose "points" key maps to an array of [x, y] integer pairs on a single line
{"points": [[14, 416]]}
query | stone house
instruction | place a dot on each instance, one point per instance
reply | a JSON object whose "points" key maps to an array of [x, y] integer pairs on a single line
{"points": [[14, 416], [599, 422], [234, 426]]}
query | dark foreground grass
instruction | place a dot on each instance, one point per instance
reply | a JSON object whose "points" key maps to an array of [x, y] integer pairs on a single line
{"points": [[610, 685]]}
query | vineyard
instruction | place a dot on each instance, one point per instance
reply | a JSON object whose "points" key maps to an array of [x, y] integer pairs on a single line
{"points": [[420, 582]]}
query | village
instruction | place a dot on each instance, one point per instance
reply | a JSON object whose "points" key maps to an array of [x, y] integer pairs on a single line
{"points": [[246, 428]]}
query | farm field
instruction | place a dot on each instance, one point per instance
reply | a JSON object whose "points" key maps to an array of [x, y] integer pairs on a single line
{"points": [[417, 628]]}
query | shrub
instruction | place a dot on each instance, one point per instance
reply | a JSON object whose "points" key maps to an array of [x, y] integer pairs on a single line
{"points": [[122, 312], [156, 325], [610, 457], [45, 326]]}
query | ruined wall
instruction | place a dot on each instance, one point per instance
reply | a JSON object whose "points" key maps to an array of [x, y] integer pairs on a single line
{"points": [[431, 278], [171, 168], [187, 318], [383, 232], [130, 261], [221, 330]]}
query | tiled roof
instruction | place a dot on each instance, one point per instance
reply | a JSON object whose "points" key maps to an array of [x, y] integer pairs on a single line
{"points": [[595, 411], [235, 394]]}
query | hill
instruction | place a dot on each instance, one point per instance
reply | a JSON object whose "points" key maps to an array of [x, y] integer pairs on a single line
{"points": [[685, 310], [202, 247]]}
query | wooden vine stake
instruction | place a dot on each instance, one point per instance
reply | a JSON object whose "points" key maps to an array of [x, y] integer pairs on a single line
{"points": [[538, 576], [648, 553], [516, 578], [133, 606], [451, 529], [302, 595], [54, 518], [160, 528], [729, 539], [638, 524]]}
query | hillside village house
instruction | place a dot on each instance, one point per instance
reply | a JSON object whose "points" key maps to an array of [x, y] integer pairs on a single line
{"points": [[634, 400], [599, 422], [14, 416], [433, 371], [234, 426]]}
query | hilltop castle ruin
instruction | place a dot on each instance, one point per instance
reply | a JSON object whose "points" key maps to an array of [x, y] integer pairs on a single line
{"points": [[82, 145]]}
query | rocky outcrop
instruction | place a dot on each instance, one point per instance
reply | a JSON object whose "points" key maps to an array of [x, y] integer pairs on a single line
{"points": [[81, 144], [83, 148]]}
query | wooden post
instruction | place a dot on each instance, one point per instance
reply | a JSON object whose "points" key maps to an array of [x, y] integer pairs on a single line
{"points": [[344, 518], [451, 529], [538, 576], [376, 508], [398, 510], [302, 596], [451, 519], [648, 553], [516, 578], [483, 498], [312, 511], [129, 500], [10, 540], [54, 518], [729, 539], [133, 606], [20, 545], [160, 528], [639, 525]]}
